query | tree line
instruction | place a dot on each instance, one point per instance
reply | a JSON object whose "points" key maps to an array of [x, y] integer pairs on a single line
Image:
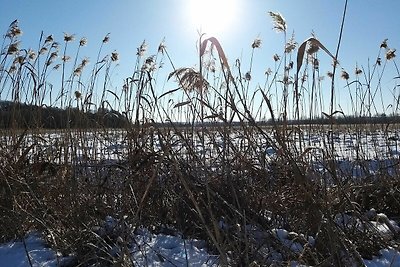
{"points": [[19, 115]]}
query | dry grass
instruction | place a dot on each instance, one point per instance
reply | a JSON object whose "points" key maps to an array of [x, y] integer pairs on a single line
{"points": [[188, 179]]}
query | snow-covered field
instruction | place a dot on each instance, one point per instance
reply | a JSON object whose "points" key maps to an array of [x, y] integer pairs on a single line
{"points": [[155, 250], [349, 144], [357, 155], [148, 250]]}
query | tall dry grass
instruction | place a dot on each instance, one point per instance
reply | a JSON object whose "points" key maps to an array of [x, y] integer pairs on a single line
{"points": [[194, 160]]}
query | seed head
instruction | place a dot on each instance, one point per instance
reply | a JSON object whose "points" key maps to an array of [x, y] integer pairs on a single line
{"points": [[276, 57], [379, 61], [313, 47], [149, 64], [53, 56], [161, 47], [190, 80], [358, 71], [278, 21], [12, 68], [142, 49], [13, 29], [329, 74], [66, 58], [290, 45], [19, 60], [85, 61], [106, 38], [247, 76], [78, 94], [114, 56], [14, 32], [384, 44], [14, 24], [150, 60], [13, 48], [51, 59], [78, 70], [43, 50], [49, 39], [31, 54], [68, 37], [345, 75], [390, 54], [256, 43], [83, 41]]}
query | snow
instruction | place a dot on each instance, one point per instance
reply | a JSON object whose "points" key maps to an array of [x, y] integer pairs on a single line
{"points": [[283, 237], [158, 250], [389, 257], [374, 148], [148, 250], [15, 254], [166, 250]]}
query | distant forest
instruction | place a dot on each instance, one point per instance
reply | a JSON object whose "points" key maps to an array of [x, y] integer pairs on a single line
{"points": [[19, 115], [343, 120]]}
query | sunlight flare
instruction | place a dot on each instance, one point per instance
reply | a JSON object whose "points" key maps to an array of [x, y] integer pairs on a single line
{"points": [[213, 17]]}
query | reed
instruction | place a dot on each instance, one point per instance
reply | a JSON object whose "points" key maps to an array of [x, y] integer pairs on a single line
{"points": [[196, 160]]}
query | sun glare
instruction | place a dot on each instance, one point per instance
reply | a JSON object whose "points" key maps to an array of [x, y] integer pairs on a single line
{"points": [[212, 17]]}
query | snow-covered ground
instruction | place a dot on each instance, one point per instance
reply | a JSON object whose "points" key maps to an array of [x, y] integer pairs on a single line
{"points": [[31, 251], [150, 249], [99, 145]]}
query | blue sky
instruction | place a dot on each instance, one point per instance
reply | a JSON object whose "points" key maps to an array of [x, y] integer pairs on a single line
{"points": [[368, 22]]}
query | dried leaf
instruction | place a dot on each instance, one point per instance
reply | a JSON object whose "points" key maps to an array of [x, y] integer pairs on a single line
{"points": [[180, 104], [330, 116], [169, 92], [214, 41], [148, 102], [269, 105], [300, 57], [114, 94]]}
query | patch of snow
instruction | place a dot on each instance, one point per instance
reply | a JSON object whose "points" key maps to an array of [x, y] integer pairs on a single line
{"points": [[15, 254], [389, 257], [165, 250]]}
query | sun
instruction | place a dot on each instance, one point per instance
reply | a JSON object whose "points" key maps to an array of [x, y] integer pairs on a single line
{"points": [[212, 17]]}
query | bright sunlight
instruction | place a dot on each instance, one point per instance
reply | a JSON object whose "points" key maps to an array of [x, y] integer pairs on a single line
{"points": [[212, 17]]}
